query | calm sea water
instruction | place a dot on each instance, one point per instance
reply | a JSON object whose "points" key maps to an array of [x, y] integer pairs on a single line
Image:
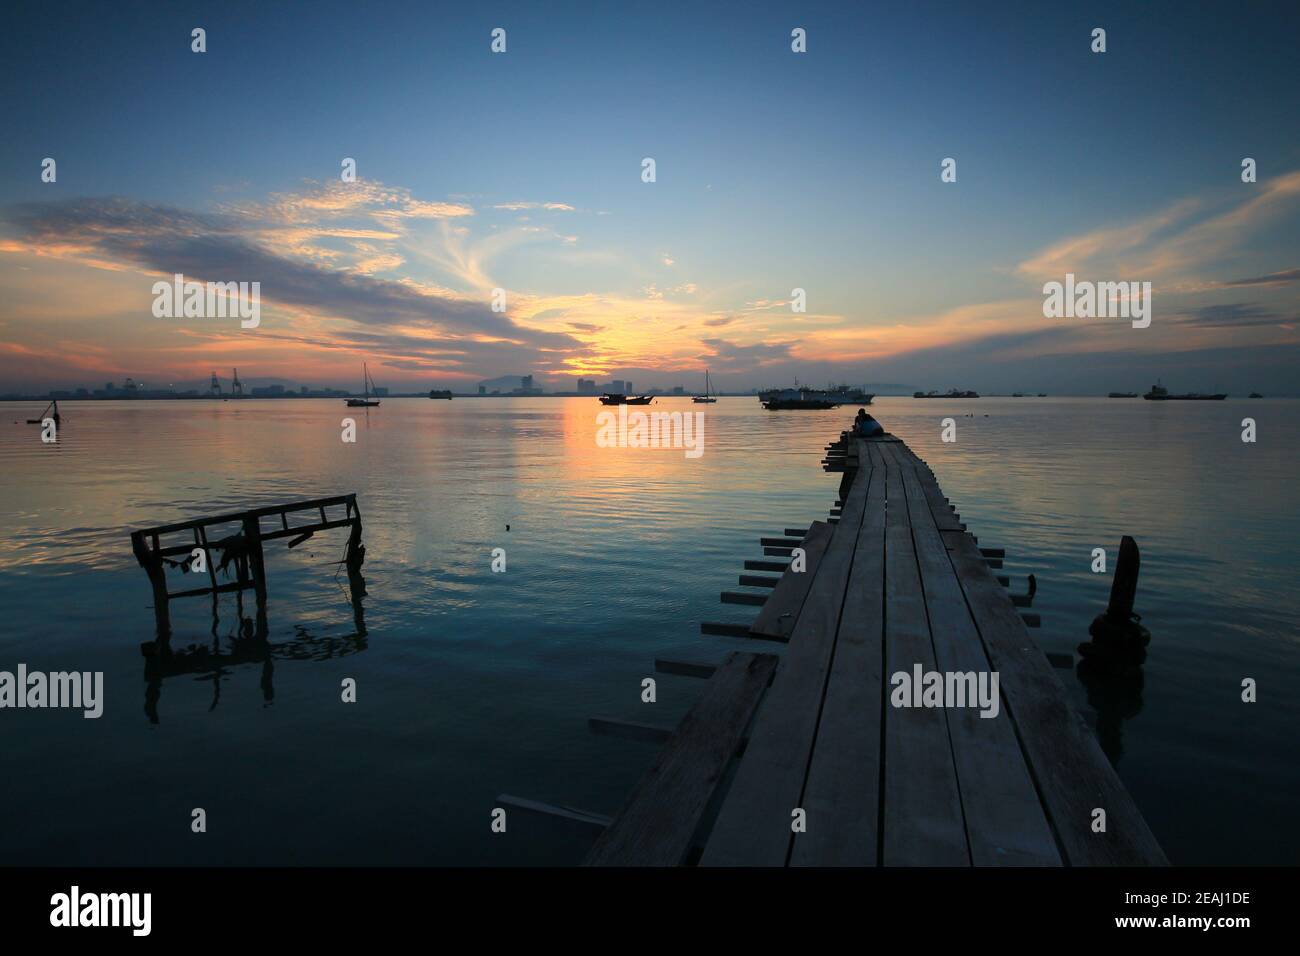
{"points": [[472, 683]]}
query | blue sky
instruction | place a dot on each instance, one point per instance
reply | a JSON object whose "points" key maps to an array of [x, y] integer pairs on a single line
{"points": [[775, 170]]}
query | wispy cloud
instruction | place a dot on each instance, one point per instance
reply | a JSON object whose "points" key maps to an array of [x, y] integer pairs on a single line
{"points": [[547, 206], [1273, 278]]}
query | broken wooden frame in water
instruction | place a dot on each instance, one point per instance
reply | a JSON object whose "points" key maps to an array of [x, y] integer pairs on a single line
{"points": [[241, 547]]}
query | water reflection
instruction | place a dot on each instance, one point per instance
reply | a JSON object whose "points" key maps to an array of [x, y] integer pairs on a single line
{"points": [[248, 644]]}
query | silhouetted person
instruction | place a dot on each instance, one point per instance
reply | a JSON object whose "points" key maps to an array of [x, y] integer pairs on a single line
{"points": [[865, 426]]}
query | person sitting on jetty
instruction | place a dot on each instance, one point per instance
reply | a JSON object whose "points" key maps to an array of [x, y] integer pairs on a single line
{"points": [[865, 426]]}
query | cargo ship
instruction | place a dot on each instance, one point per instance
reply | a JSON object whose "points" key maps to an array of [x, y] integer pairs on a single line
{"points": [[1161, 394], [797, 399]]}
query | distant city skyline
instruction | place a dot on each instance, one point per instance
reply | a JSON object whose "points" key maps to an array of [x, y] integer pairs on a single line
{"points": [[516, 180]]}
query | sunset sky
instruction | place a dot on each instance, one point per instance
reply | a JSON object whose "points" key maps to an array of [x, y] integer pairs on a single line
{"points": [[775, 170]]}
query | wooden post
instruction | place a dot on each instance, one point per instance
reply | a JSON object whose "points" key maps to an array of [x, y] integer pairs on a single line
{"points": [[201, 539], [253, 545], [152, 565], [1123, 589]]}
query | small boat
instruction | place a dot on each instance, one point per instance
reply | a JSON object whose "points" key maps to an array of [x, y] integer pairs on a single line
{"points": [[707, 398], [440, 393], [367, 401], [1255, 395], [51, 411], [952, 393], [1122, 395], [614, 398], [797, 399], [1160, 394], [1017, 394]]}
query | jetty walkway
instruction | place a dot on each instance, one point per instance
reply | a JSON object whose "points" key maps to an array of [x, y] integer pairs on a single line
{"points": [[816, 757]]}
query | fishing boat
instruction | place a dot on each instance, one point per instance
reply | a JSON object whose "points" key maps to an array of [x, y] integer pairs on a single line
{"points": [[1255, 395], [440, 393], [849, 395], [614, 398], [952, 393], [797, 399], [1161, 394], [51, 411], [367, 382], [708, 397], [830, 397], [1122, 395]]}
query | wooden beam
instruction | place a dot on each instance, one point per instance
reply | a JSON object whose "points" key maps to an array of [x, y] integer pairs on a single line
{"points": [[922, 803], [656, 825], [582, 819], [842, 793], [684, 668], [779, 612], [1004, 820]]}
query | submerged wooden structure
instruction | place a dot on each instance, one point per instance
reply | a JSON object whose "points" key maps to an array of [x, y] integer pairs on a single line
{"points": [[827, 771], [237, 540]]}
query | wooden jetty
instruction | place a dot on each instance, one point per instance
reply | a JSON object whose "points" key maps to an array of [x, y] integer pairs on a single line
{"points": [[827, 770], [237, 539]]}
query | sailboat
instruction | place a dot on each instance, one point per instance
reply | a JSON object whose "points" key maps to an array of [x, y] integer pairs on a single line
{"points": [[707, 397], [367, 382]]}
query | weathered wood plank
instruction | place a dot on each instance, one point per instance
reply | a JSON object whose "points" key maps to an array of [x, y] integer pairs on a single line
{"points": [[779, 612], [1005, 822], [754, 825], [922, 812], [842, 793], [580, 819], [629, 729], [659, 819], [1071, 771], [684, 668]]}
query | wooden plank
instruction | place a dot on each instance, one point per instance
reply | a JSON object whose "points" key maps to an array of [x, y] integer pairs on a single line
{"points": [[684, 668], [238, 517], [1005, 823], [728, 629], [754, 824], [743, 597], [1071, 771], [842, 794], [582, 819], [922, 812], [659, 819], [758, 581], [766, 565], [777, 617]]}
